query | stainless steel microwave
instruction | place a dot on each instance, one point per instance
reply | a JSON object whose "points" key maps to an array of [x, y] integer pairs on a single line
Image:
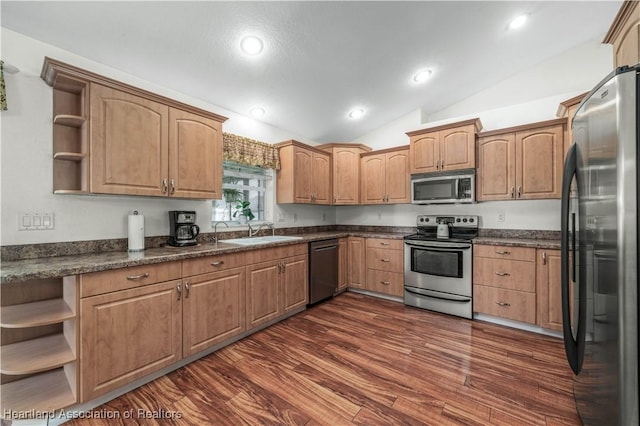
{"points": [[450, 188]]}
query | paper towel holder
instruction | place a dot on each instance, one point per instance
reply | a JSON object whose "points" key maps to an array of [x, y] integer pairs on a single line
{"points": [[136, 232]]}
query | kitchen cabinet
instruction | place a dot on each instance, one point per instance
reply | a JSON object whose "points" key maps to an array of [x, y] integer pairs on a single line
{"points": [[385, 177], [567, 109], [548, 286], [277, 283], [304, 175], [38, 351], [112, 138], [385, 266], [356, 266], [345, 171], [343, 261], [444, 148], [523, 162], [504, 282], [624, 35]]}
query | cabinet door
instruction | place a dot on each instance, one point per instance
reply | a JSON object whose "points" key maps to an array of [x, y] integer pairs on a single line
{"points": [[321, 178], [343, 261], [129, 143], [425, 152], [346, 176], [356, 269], [496, 168], [373, 179], [549, 289], [128, 334], [457, 148], [262, 293], [195, 156], [539, 161], [397, 181], [294, 284], [213, 309], [302, 165]]}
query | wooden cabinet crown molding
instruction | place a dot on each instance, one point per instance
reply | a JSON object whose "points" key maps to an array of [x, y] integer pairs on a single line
{"points": [[624, 14], [528, 126], [52, 68], [475, 121], [293, 142], [329, 146], [385, 151], [564, 106]]}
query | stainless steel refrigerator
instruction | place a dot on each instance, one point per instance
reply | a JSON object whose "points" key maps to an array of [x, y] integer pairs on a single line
{"points": [[599, 231]]}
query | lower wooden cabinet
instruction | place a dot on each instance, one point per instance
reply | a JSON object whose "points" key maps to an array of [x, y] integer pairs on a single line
{"points": [[510, 304], [385, 266], [356, 268], [128, 334], [548, 284], [262, 292], [294, 286], [343, 262]]}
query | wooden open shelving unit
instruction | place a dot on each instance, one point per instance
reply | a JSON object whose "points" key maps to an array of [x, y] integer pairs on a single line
{"points": [[38, 344]]}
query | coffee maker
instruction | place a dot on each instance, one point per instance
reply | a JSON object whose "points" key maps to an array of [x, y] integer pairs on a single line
{"points": [[183, 228]]}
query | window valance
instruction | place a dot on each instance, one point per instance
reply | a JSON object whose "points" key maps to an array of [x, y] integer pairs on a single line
{"points": [[250, 152]]}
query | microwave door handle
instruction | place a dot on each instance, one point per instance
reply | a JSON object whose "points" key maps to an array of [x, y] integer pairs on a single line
{"points": [[457, 194]]}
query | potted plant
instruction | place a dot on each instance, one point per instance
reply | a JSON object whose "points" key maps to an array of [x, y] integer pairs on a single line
{"points": [[243, 211]]}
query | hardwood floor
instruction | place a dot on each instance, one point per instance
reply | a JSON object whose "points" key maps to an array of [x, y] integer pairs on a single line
{"points": [[362, 360]]}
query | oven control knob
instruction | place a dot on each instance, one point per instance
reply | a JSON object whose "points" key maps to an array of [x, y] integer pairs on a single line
{"points": [[464, 220], [421, 219], [458, 220], [426, 220], [471, 219]]}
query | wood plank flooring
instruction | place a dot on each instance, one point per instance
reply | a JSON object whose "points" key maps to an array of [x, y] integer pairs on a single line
{"points": [[361, 360]]}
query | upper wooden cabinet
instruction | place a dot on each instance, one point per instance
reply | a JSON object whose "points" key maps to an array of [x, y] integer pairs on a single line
{"points": [[624, 35], [304, 175], [523, 162], [112, 138], [444, 148], [346, 171], [567, 109], [384, 177]]}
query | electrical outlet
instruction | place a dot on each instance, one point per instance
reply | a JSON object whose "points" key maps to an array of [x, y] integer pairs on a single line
{"points": [[36, 221], [500, 217], [379, 216], [324, 217], [295, 217], [280, 217]]}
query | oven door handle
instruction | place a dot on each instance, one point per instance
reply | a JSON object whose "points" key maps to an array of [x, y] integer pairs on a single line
{"points": [[438, 295], [440, 246]]}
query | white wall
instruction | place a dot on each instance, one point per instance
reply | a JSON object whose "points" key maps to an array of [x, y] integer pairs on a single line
{"points": [[26, 159], [528, 96]]}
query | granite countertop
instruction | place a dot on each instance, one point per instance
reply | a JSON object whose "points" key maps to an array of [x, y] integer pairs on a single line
{"points": [[541, 243], [51, 267]]}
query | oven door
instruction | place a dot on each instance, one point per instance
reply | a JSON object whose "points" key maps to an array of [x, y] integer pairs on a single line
{"points": [[438, 266]]}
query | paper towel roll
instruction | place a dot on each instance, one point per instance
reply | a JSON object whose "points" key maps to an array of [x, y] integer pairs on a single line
{"points": [[136, 232]]}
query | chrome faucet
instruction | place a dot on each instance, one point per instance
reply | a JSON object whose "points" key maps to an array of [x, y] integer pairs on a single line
{"points": [[215, 230], [253, 232]]}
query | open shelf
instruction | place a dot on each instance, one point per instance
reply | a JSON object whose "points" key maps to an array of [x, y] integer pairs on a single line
{"points": [[71, 192], [44, 392], [69, 156], [35, 314], [69, 120], [35, 355]]}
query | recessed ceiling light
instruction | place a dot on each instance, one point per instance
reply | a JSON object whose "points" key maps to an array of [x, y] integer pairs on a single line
{"points": [[517, 22], [356, 113], [421, 76], [251, 45], [257, 112]]}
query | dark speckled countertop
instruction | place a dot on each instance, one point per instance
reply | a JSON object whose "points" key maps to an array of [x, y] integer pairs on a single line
{"points": [[521, 238], [51, 267]]}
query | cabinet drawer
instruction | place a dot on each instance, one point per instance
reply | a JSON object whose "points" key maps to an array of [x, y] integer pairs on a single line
{"points": [[125, 278], [511, 304], [385, 243], [385, 259], [205, 265], [391, 283], [507, 274], [505, 252]]}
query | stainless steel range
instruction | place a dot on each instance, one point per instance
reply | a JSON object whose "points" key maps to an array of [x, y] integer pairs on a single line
{"points": [[438, 264]]}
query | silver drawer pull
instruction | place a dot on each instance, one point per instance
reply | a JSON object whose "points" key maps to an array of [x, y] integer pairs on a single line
{"points": [[186, 289], [138, 277], [385, 282], [503, 252], [385, 260], [179, 289], [385, 244], [503, 274], [217, 263], [503, 304]]}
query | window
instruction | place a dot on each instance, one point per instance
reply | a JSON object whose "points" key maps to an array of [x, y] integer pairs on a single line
{"points": [[240, 184]]}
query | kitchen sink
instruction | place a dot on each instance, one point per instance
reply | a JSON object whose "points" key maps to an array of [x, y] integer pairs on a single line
{"points": [[249, 241]]}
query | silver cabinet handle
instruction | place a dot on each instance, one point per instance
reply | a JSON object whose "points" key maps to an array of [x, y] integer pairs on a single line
{"points": [[179, 288], [519, 192], [385, 244], [513, 192], [385, 260], [385, 282], [503, 304], [138, 277], [441, 164], [186, 290], [544, 257], [503, 252], [165, 186], [173, 186], [503, 274], [217, 263]]}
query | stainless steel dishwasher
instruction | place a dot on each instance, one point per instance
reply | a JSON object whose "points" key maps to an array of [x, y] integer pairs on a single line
{"points": [[323, 269]]}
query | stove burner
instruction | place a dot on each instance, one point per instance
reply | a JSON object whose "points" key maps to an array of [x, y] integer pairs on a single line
{"points": [[463, 228]]}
